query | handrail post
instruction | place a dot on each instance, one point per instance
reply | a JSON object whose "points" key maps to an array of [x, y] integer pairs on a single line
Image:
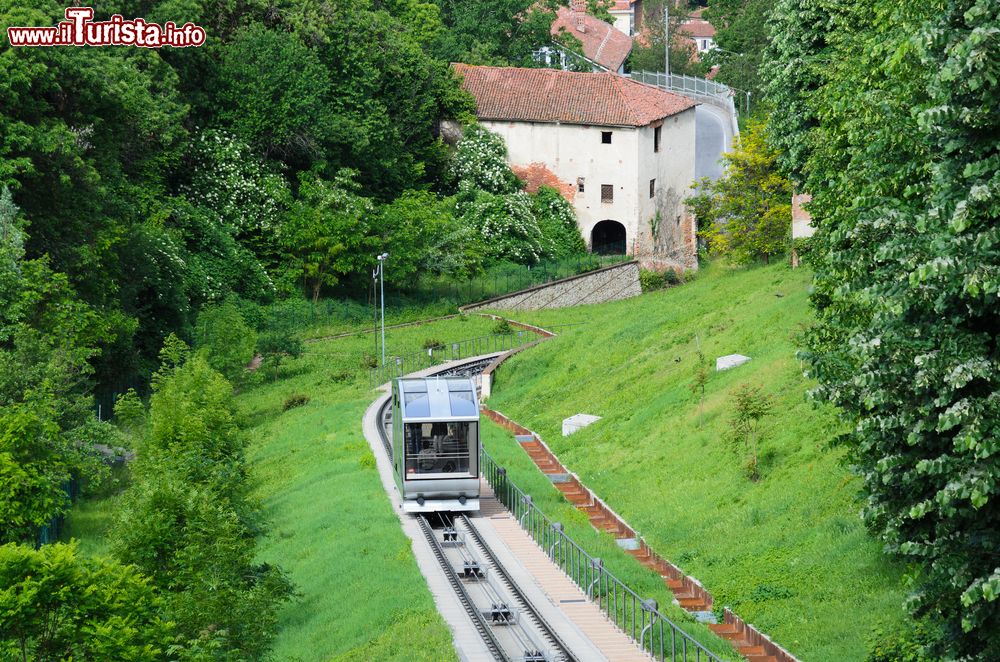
{"points": [[651, 607], [558, 528], [596, 565]]}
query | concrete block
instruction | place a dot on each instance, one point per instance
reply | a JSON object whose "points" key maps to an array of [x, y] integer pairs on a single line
{"points": [[577, 422], [627, 543], [730, 361]]}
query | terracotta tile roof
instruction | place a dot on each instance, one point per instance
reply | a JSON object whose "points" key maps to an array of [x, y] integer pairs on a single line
{"points": [[552, 95], [698, 27], [603, 43]]}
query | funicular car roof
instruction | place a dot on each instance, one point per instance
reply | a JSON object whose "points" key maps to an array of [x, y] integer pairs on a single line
{"points": [[438, 399]]}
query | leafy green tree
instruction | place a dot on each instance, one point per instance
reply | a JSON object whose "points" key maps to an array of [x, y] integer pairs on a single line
{"points": [[896, 141], [329, 231], [58, 605], [750, 407], [647, 54], [227, 340], [741, 34], [36, 460], [275, 346], [496, 32], [422, 236], [746, 213], [200, 555], [293, 121], [187, 520]]}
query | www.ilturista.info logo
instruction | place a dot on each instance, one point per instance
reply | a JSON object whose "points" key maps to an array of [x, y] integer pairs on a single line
{"points": [[79, 30]]}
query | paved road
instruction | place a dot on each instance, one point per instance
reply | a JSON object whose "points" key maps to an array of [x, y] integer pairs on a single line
{"points": [[711, 140]]}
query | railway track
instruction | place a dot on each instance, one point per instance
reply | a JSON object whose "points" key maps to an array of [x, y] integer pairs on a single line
{"points": [[511, 628]]}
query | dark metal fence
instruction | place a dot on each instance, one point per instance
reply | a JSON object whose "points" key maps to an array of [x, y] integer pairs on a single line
{"points": [[637, 617], [397, 366]]}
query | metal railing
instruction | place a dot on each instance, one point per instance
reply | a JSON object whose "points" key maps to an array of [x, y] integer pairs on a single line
{"points": [[685, 84], [637, 617], [397, 366]]}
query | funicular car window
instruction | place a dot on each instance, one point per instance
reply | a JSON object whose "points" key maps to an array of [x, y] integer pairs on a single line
{"points": [[462, 403], [436, 448], [417, 404]]}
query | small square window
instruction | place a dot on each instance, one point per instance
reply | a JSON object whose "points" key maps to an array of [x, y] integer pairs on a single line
{"points": [[607, 193], [606, 137], [652, 187], [656, 139], [579, 184]]}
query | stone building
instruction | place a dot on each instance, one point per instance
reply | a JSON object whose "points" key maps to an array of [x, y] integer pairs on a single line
{"points": [[621, 152]]}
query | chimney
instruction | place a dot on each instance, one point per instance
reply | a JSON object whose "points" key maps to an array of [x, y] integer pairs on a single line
{"points": [[579, 8]]}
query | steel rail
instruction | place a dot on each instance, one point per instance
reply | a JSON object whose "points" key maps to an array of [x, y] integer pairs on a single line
{"points": [[478, 621], [527, 608]]}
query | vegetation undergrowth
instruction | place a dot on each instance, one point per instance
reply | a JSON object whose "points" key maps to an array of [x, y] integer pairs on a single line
{"points": [[787, 552]]}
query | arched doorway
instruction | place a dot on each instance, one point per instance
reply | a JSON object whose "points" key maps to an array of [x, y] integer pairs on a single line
{"points": [[608, 238]]}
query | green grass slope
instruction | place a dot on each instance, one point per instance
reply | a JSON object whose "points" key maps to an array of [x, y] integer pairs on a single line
{"points": [[331, 525], [788, 552]]}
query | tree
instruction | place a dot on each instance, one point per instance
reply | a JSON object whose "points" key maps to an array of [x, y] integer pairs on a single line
{"points": [[227, 340], [294, 120], [328, 231], [496, 32], [480, 161], [896, 141], [747, 212], [699, 379], [58, 605], [648, 53], [741, 33], [274, 346], [750, 406], [187, 520]]}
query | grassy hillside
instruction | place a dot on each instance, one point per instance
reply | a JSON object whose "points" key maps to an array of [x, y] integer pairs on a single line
{"points": [[361, 595], [788, 552], [332, 527]]}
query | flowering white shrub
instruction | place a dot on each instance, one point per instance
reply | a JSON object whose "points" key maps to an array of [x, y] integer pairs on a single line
{"points": [[505, 224], [481, 161], [231, 180], [557, 221]]}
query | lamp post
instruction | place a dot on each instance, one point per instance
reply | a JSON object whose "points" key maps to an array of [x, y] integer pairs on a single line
{"points": [[379, 274], [666, 41]]}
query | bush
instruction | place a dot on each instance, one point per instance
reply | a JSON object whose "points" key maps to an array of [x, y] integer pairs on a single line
{"points": [[369, 361], [651, 280], [225, 339], [670, 277], [560, 234], [294, 400], [502, 328], [432, 343]]}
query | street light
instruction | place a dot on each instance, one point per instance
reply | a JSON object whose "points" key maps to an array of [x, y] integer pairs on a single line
{"points": [[379, 274]]}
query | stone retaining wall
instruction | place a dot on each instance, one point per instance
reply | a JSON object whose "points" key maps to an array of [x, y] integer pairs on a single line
{"points": [[619, 281]]}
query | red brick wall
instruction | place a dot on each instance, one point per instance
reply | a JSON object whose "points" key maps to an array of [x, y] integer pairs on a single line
{"points": [[535, 175]]}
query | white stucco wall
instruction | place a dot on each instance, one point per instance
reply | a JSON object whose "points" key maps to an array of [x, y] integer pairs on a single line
{"points": [[571, 151], [622, 20], [673, 169], [628, 163]]}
